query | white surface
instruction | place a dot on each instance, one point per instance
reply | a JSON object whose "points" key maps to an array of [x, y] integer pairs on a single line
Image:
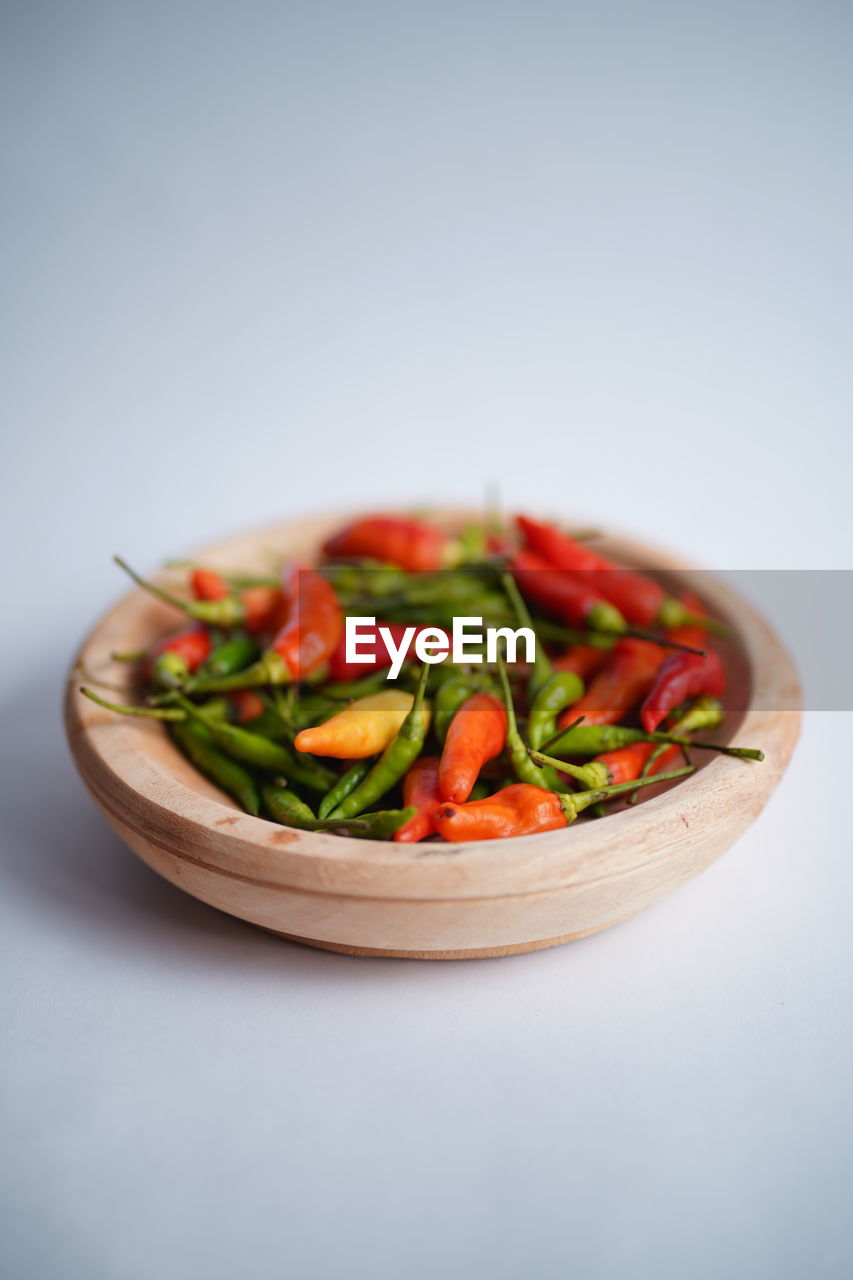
{"points": [[264, 259]]}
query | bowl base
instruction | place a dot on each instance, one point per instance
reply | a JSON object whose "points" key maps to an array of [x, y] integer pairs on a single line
{"points": [[474, 953]]}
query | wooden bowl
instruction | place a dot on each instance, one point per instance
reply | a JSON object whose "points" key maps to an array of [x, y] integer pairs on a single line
{"points": [[433, 901]]}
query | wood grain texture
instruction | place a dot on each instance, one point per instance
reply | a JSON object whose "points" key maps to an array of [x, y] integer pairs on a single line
{"points": [[429, 900]]}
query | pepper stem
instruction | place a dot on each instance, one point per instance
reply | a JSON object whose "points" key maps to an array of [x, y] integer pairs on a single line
{"points": [[542, 665], [150, 587], [592, 775], [576, 802], [147, 713]]}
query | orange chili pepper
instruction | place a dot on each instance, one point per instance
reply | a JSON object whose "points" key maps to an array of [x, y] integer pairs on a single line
{"points": [[622, 682], [518, 810], [420, 790], [477, 733], [627, 763]]}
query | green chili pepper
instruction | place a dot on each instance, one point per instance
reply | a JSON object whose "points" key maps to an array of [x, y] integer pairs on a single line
{"points": [[229, 657], [594, 739], [559, 691], [263, 753], [379, 825], [524, 768], [542, 668], [198, 745], [395, 761], [346, 690], [287, 808], [242, 744], [169, 671], [344, 786]]}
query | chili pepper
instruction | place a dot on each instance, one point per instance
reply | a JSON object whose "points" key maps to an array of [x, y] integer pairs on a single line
{"points": [[370, 579], [242, 744], [381, 657], [286, 807], [248, 706], [207, 584], [197, 744], [234, 654], [346, 690], [594, 739], [477, 734], [624, 679], [345, 784], [410, 544], [561, 690], [450, 697], [542, 669], [369, 640], [227, 612], [523, 767], [177, 657], [261, 751], [259, 600], [570, 598], [364, 728], [302, 645], [681, 676], [313, 709], [640, 599], [705, 713], [525, 808], [623, 765], [584, 659], [395, 761], [421, 793]]}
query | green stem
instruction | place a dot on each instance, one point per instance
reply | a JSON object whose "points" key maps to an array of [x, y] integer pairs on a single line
{"points": [[146, 713]]}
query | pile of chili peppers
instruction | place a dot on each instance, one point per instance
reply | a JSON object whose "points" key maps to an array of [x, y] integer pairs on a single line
{"points": [[256, 690]]}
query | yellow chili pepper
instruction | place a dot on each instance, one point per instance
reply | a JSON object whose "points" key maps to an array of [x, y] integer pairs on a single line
{"points": [[364, 728]]}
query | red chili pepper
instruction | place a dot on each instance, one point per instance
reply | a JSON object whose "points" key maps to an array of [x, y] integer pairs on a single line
{"points": [[622, 682], [260, 604], [247, 705], [314, 622], [207, 584], [420, 790], [683, 675], [641, 600], [409, 544], [680, 676], [263, 606], [584, 659], [370, 639], [193, 645], [569, 598], [477, 734]]}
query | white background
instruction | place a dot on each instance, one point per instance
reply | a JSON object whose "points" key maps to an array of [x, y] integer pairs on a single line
{"points": [[261, 259]]}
